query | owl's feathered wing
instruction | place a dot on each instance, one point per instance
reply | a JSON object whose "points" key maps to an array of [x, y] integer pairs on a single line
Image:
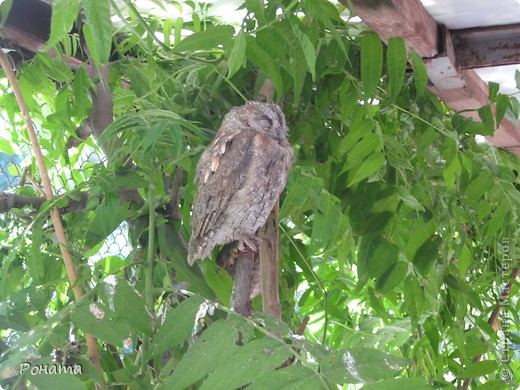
{"points": [[239, 178]]}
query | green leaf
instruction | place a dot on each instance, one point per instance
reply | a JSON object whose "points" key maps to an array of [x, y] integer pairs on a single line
{"points": [[400, 384], [6, 147], [238, 54], [259, 57], [219, 281], [5, 9], [361, 365], [426, 255], [173, 249], [325, 11], [371, 64], [359, 128], [368, 167], [302, 189], [493, 89], [55, 68], [420, 74], [486, 115], [498, 219], [476, 348], [325, 221], [369, 144], [517, 79], [110, 264], [81, 87], [367, 246], [167, 31], [396, 63], [293, 377], [131, 307], [257, 7], [210, 38], [98, 30], [479, 186], [177, 30], [501, 107], [452, 172], [108, 216], [176, 328], [465, 260], [409, 199], [64, 14], [97, 319], [496, 384], [384, 257], [215, 345], [460, 286], [392, 277], [248, 363], [308, 49], [477, 369]]}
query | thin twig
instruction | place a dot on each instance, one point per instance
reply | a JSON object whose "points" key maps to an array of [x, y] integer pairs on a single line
{"points": [[49, 195]]}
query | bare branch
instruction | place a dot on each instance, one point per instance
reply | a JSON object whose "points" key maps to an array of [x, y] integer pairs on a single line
{"points": [[244, 282], [10, 201], [269, 242], [172, 208], [82, 133]]}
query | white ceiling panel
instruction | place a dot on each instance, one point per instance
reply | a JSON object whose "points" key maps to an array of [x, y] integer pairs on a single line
{"points": [[503, 75], [458, 14]]}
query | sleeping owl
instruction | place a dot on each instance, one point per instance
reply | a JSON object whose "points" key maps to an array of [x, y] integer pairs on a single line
{"points": [[239, 178]]}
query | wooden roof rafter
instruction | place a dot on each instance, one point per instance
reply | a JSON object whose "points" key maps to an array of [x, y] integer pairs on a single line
{"points": [[449, 55]]}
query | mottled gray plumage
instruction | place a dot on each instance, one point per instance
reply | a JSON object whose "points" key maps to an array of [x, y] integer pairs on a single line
{"points": [[239, 178]]}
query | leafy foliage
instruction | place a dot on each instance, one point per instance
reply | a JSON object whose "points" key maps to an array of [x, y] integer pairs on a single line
{"points": [[397, 228]]}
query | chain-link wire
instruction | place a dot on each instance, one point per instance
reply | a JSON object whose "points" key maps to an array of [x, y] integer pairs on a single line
{"points": [[11, 172]]}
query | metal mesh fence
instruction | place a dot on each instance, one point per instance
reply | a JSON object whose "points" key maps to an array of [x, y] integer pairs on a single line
{"points": [[11, 178], [10, 171]]}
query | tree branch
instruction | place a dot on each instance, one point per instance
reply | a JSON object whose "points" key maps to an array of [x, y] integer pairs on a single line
{"points": [[269, 242], [10, 201], [172, 208], [82, 133], [244, 282], [101, 116]]}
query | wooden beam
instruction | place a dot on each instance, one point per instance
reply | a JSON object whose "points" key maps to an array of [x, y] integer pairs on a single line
{"points": [[406, 18], [21, 38], [486, 46], [464, 90], [461, 90]]}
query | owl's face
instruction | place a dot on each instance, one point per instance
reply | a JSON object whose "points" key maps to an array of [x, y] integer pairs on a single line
{"points": [[265, 118]]}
